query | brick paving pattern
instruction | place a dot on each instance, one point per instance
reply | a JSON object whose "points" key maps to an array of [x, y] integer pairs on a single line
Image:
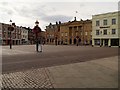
{"points": [[34, 78]]}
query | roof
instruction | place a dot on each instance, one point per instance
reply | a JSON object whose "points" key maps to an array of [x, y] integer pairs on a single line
{"points": [[106, 13]]}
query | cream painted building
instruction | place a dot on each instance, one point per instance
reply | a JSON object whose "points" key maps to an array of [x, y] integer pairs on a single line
{"points": [[106, 29], [24, 35]]}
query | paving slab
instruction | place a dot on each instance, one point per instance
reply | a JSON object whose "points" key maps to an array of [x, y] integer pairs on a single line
{"points": [[71, 67], [102, 73]]}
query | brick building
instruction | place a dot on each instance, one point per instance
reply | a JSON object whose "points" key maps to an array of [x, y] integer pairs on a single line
{"points": [[72, 32], [16, 34], [19, 35], [76, 32], [52, 33]]}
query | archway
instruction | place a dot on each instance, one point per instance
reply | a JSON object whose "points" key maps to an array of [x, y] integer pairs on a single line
{"points": [[70, 41]]}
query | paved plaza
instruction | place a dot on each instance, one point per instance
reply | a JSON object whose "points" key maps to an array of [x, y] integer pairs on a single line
{"points": [[59, 67]]}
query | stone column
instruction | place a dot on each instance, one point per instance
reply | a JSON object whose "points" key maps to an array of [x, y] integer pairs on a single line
{"points": [[93, 42], [100, 42], [109, 42], [72, 36]]}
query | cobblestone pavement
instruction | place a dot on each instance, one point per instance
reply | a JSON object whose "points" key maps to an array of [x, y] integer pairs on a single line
{"points": [[34, 78]]}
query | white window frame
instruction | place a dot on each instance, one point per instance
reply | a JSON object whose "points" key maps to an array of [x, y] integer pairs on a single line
{"points": [[98, 32], [112, 31]]}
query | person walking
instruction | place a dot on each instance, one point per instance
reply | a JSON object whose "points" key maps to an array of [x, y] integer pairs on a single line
{"points": [[37, 31]]}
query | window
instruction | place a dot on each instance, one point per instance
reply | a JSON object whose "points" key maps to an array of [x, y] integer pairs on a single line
{"points": [[105, 22], [97, 23], [105, 32], [97, 32], [81, 33], [113, 31], [52, 35], [65, 40], [97, 41], [53, 26], [4, 35], [66, 34], [61, 34], [113, 21], [90, 33], [75, 28], [80, 28], [86, 33], [9, 34]]}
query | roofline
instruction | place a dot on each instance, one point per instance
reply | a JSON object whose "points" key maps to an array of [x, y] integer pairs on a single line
{"points": [[106, 13]]}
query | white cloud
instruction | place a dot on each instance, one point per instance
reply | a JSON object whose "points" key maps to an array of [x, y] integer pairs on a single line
{"points": [[25, 13], [60, 1]]}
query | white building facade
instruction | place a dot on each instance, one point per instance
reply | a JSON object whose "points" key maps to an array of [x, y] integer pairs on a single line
{"points": [[106, 29], [24, 35]]}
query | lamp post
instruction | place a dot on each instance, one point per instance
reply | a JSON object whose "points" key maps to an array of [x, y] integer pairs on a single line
{"points": [[10, 29], [36, 31]]}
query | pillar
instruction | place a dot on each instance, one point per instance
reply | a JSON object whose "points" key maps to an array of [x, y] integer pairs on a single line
{"points": [[93, 42], [109, 42], [72, 37], [72, 41], [100, 42]]}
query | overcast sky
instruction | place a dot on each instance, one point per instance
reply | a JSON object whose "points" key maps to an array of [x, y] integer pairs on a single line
{"points": [[25, 13]]}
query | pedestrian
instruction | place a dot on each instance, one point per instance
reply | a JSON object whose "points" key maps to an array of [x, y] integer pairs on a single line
{"points": [[40, 43], [37, 31]]}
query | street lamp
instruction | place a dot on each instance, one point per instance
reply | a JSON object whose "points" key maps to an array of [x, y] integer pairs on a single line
{"points": [[10, 29], [36, 31]]}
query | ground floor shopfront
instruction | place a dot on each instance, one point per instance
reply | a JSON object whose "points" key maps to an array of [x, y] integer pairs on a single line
{"points": [[69, 41], [106, 42]]}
